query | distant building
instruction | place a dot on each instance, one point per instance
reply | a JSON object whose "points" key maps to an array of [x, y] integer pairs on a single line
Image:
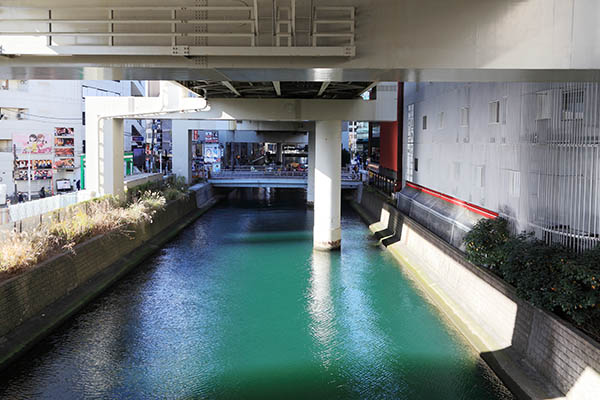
{"points": [[529, 151], [45, 121], [358, 136]]}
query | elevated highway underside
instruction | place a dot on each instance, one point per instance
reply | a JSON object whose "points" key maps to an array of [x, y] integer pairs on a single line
{"points": [[300, 40]]}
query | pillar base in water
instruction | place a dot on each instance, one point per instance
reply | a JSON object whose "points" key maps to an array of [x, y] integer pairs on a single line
{"points": [[310, 204], [327, 239]]}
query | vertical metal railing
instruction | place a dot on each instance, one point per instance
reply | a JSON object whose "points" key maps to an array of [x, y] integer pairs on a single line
{"points": [[566, 162]]}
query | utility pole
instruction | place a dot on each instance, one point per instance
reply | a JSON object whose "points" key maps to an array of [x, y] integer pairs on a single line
{"points": [[15, 169], [29, 175], [152, 147]]}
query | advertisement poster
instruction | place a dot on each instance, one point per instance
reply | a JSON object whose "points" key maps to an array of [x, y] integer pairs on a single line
{"points": [[35, 174], [63, 184], [195, 135], [64, 163], [62, 142], [64, 148], [34, 143], [212, 153], [35, 164], [64, 132], [211, 137], [64, 152]]}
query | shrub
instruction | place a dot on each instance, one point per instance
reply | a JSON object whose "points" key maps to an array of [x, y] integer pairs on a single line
{"points": [[484, 242], [549, 276], [76, 224], [79, 222]]}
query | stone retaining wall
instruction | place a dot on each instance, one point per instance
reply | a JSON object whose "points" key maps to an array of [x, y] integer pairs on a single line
{"points": [[34, 302], [510, 333]]}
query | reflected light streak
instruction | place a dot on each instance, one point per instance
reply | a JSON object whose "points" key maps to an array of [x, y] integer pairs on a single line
{"points": [[320, 304]]}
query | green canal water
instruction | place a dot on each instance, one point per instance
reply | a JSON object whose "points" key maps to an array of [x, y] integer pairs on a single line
{"points": [[239, 306]]}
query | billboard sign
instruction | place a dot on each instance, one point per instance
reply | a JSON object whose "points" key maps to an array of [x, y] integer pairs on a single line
{"points": [[211, 137], [34, 143], [212, 153]]}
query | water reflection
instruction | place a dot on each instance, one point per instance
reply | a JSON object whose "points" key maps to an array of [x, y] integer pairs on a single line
{"points": [[320, 304], [240, 306]]}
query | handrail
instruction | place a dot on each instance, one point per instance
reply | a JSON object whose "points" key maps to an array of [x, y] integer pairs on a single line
{"points": [[333, 30]]}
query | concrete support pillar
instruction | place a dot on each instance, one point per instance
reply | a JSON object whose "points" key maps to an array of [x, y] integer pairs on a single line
{"points": [[182, 154], [327, 234], [280, 153], [310, 189], [110, 157]]}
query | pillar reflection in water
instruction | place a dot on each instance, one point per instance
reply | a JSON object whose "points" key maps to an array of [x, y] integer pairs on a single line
{"points": [[320, 303]]}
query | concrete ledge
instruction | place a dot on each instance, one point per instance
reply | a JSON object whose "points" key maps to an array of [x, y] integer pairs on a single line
{"points": [[536, 354], [22, 325]]}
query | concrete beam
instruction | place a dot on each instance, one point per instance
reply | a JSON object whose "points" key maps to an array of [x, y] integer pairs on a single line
{"points": [[277, 86], [488, 40], [323, 88], [251, 109], [229, 86]]}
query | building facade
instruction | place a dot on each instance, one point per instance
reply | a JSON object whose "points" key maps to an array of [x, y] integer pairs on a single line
{"points": [[42, 130], [529, 151]]}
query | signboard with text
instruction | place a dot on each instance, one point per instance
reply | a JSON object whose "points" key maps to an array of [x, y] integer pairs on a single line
{"points": [[211, 137]]}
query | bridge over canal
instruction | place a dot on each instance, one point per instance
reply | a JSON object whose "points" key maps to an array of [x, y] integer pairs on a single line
{"points": [[273, 178]]}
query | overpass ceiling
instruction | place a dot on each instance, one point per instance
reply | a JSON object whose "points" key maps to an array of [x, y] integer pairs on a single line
{"points": [[286, 90], [300, 40]]}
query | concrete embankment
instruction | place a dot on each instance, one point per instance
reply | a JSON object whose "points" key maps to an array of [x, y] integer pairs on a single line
{"points": [[536, 354], [38, 300]]}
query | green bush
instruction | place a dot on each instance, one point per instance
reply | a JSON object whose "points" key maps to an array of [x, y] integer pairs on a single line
{"points": [[484, 242], [551, 277], [173, 188]]}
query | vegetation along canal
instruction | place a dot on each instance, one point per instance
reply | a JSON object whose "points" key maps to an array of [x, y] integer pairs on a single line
{"points": [[239, 306]]}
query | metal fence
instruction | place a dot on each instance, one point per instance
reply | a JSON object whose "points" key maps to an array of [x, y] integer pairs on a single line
{"points": [[34, 208]]}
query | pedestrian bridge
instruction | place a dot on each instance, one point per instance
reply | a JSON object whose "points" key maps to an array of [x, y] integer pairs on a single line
{"points": [[259, 178]]}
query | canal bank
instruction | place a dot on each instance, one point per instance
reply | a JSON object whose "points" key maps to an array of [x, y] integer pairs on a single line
{"points": [[37, 301], [239, 305], [536, 354]]}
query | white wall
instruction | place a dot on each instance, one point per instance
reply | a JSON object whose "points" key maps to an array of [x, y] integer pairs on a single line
{"points": [[540, 172], [50, 104]]}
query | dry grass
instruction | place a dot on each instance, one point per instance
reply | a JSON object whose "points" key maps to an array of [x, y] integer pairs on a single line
{"points": [[21, 250]]}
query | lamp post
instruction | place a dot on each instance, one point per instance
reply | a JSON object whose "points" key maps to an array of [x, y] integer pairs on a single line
{"points": [[29, 175]]}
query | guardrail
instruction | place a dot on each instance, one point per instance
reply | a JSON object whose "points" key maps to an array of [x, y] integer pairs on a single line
{"points": [[225, 30], [41, 206], [260, 173]]}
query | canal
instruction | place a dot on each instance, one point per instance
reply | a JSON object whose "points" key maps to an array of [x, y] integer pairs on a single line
{"points": [[239, 306]]}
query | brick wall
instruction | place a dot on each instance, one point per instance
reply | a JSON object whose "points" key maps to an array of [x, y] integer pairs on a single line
{"points": [[27, 296], [559, 352]]}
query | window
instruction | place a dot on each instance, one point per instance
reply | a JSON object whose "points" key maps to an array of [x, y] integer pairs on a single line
{"points": [[441, 120], [456, 170], [5, 145], [494, 112], [12, 113], [424, 122], [464, 116], [416, 165], [542, 110], [410, 141], [514, 183], [480, 176], [572, 105]]}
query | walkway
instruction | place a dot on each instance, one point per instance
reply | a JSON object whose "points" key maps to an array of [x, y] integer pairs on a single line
{"points": [[271, 177]]}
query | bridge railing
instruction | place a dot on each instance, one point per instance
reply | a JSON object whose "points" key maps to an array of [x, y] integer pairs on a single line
{"points": [[243, 174], [272, 172]]}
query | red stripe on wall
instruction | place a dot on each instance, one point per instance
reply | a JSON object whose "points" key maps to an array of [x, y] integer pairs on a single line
{"points": [[469, 206]]}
